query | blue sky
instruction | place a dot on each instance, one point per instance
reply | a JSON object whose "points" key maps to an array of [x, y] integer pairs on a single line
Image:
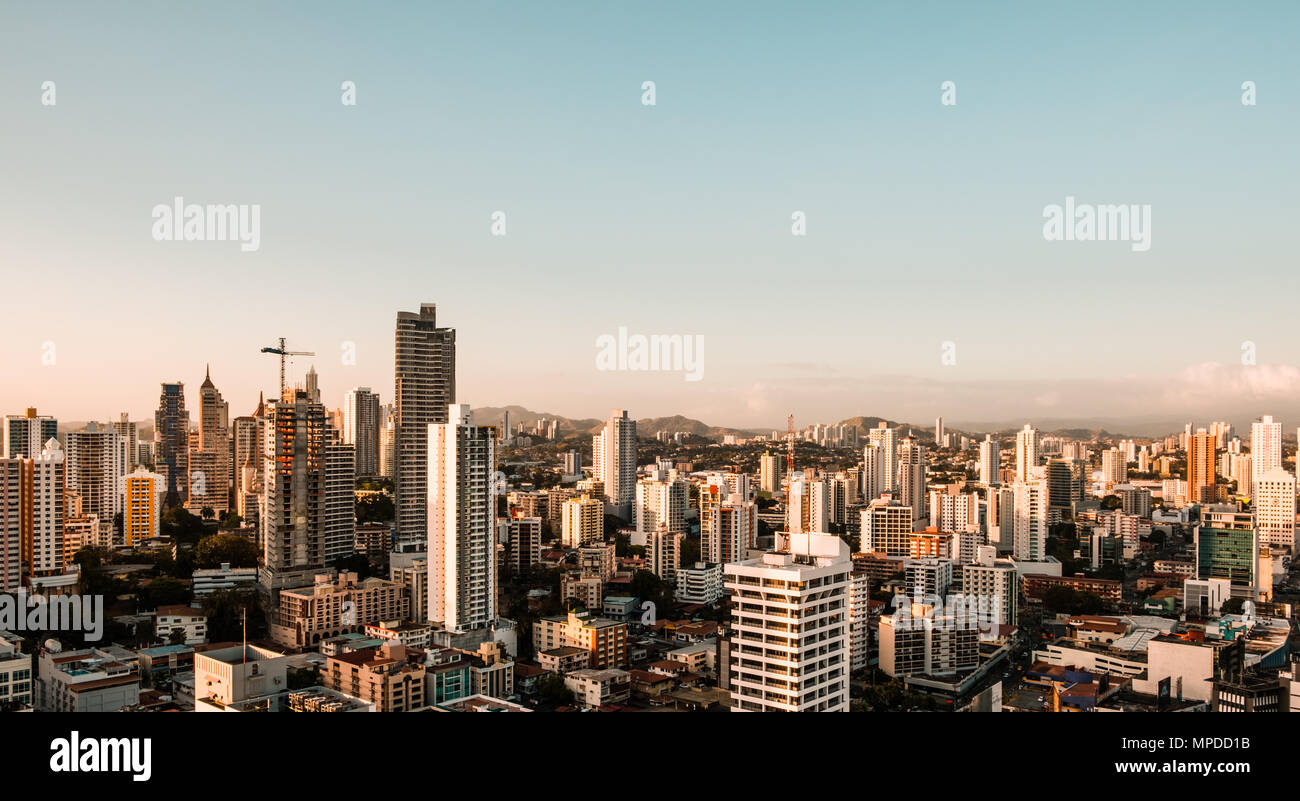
{"points": [[924, 221]]}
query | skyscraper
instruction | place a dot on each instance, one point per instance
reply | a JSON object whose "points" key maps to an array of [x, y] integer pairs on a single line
{"points": [[1275, 507], [171, 436], [127, 431], [1265, 444], [462, 514], [293, 506], [424, 388], [247, 457], [1030, 535], [209, 453], [142, 497], [95, 466], [886, 439], [1026, 452], [990, 461], [728, 523], [769, 472], [911, 476], [614, 462], [1200, 464], [361, 424], [32, 498], [339, 528], [661, 500], [938, 432]]}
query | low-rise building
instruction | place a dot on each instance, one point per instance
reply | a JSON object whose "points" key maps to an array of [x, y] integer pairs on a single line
{"points": [[595, 688], [187, 619]]}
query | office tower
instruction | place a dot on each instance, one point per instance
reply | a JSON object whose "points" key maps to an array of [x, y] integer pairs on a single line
{"points": [[142, 499], [1200, 464], [462, 513], [1275, 508], [26, 434], [209, 454], [1068, 480], [1266, 444], [728, 523], [807, 590], [661, 500], [94, 467], [425, 387], [524, 542], [171, 436], [1226, 553], [339, 526], [874, 469], [1134, 501], [313, 385], [582, 520], [938, 432], [1000, 517], [361, 422], [127, 431], [886, 528], [614, 461], [1027, 443], [840, 491], [663, 549], [993, 578], [769, 472], [911, 476], [292, 509], [887, 440], [1114, 468], [990, 461], [1030, 528], [388, 443], [1144, 460]]}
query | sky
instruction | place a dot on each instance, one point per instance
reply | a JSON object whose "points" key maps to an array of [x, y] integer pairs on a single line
{"points": [[924, 220]]}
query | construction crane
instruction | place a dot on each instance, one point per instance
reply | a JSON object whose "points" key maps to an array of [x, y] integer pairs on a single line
{"points": [[281, 352]]}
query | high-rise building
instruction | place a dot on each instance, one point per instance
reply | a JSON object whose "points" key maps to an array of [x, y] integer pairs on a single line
{"points": [[874, 469], [885, 438], [728, 523], [127, 431], [142, 499], [938, 432], [171, 436], [1274, 504], [1200, 464], [462, 514], [614, 462], [247, 457], [361, 424], [996, 579], [26, 434], [990, 461], [339, 526], [582, 520], [808, 589], [209, 453], [1226, 553], [1114, 468], [769, 472], [424, 389], [911, 476], [1027, 444], [887, 528], [11, 523], [388, 443], [292, 510], [663, 549], [808, 506], [1030, 535], [95, 465], [32, 505], [661, 500], [1266, 444]]}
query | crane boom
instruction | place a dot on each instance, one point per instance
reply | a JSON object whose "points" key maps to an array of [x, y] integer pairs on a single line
{"points": [[282, 352]]}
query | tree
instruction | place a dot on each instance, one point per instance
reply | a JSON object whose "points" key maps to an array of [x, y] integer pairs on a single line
{"points": [[225, 547], [231, 521], [552, 691], [375, 509], [223, 608], [355, 563], [163, 591], [177, 637]]}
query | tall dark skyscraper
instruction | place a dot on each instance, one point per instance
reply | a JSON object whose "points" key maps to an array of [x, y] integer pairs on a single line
{"points": [[171, 435], [424, 385]]}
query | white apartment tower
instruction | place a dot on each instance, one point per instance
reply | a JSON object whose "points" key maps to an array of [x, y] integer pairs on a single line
{"points": [[911, 476], [728, 523], [462, 512], [886, 439], [790, 628], [990, 461], [1030, 536], [1275, 508], [1026, 451], [614, 462], [1265, 444], [661, 500]]}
